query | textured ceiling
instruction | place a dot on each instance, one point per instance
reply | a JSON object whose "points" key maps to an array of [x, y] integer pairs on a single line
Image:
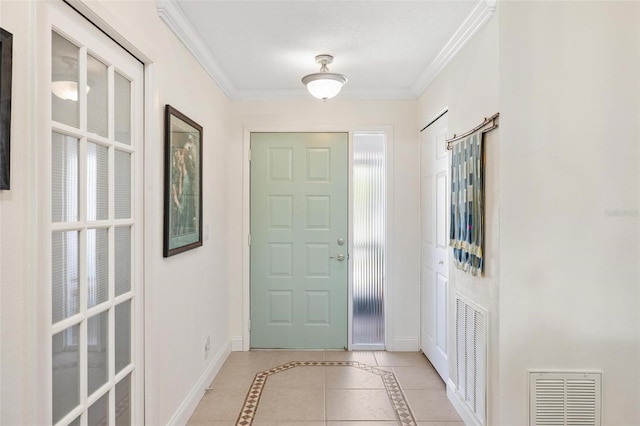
{"points": [[261, 49]]}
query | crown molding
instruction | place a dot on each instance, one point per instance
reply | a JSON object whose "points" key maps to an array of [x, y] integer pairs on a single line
{"points": [[177, 21], [476, 19], [171, 13]]}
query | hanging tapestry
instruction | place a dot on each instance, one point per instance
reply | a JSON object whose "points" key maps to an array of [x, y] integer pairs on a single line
{"points": [[467, 204]]}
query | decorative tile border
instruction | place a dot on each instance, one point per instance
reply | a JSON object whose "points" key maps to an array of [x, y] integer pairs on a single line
{"points": [[396, 397]]}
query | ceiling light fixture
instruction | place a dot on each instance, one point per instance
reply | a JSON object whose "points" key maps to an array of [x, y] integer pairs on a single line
{"points": [[324, 84]]}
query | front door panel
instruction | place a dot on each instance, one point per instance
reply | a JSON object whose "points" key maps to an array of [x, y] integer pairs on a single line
{"points": [[298, 216]]}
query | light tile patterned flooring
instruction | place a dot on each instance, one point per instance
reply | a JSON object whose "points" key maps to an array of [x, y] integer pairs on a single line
{"points": [[359, 391]]}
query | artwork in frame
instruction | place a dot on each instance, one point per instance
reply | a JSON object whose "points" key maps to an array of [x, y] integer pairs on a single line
{"points": [[6, 47], [182, 183]]}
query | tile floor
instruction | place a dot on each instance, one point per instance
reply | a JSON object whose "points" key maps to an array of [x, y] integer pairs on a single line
{"points": [[333, 388]]}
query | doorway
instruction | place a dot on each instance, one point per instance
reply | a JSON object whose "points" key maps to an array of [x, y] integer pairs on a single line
{"points": [[372, 172], [94, 239], [434, 277]]}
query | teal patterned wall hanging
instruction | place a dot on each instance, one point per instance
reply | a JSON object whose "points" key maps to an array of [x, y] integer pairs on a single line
{"points": [[467, 204]]}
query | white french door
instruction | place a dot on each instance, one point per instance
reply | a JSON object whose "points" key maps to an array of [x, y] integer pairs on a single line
{"points": [[95, 230], [434, 183]]}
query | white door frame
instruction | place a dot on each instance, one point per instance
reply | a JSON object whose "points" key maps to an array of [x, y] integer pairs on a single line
{"points": [[245, 345], [143, 50], [66, 21]]}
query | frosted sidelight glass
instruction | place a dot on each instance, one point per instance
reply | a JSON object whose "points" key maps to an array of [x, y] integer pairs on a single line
{"points": [[65, 373], [97, 351], [97, 97], [64, 267], [64, 81], [122, 109], [98, 414], [369, 224], [97, 182], [97, 266], [122, 246], [64, 178], [123, 401], [123, 335], [122, 185]]}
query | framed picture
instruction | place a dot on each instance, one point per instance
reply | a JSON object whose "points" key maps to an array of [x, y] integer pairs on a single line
{"points": [[6, 47], [182, 183]]}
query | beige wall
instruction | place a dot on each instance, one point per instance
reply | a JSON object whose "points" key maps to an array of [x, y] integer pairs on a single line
{"points": [[468, 87], [186, 295], [562, 255], [570, 293], [17, 287], [562, 271], [342, 115]]}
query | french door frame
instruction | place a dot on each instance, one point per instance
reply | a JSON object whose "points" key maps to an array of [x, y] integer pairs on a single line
{"points": [[245, 344], [56, 15]]}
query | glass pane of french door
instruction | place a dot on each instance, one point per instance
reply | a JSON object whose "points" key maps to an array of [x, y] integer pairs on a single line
{"points": [[95, 90]]}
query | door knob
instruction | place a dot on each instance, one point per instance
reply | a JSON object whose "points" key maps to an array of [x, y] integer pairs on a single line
{"points": [[339, 257]]}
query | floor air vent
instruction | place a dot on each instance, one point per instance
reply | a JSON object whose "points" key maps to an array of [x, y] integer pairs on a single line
{"points": [[471, 356], [564, 399]]}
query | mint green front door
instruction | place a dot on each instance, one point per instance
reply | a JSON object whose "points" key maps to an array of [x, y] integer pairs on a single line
{"points": [[299, 240]]}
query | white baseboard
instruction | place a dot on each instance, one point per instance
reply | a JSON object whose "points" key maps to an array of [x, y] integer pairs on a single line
{"points": [[237, 344], [362, 347], [190, 403], [406, 345], [463, 410]]}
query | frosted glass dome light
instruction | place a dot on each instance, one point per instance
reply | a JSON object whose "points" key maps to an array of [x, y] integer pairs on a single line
{"points": [[324, 84]]}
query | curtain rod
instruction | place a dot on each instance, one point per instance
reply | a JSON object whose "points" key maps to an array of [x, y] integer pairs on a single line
{"points": [[492, 120], [446, 110]]}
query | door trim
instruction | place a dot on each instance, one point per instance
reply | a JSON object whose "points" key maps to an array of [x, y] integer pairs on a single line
{"points": [[144, 51], [66, 18], [243, 343]]}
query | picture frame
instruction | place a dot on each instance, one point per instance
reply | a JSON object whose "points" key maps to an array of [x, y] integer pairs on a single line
{"points": [[6, 59], [182, 183]]}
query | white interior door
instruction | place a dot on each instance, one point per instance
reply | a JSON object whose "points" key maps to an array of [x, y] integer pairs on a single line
{"points": [[434, 279], [95, 232]]}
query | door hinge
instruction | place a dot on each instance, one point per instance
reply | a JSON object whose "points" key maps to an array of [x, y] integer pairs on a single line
{"points": [[249, 324], [249, 240], [249, 155]]}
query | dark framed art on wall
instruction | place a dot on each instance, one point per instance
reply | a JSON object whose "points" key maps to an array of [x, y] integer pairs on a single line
{"points": [[6, 47], [182, 183]]}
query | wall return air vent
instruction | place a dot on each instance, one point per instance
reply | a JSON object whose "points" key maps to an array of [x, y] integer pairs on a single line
{"points": [[565, 398], [470, 374]]}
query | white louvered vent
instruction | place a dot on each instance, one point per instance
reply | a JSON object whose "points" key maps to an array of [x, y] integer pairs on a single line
{"points": [[564, 399], [471, 356]]}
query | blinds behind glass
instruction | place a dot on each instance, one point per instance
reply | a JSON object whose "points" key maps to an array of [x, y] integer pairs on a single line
{"points": [[93, 297]]}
